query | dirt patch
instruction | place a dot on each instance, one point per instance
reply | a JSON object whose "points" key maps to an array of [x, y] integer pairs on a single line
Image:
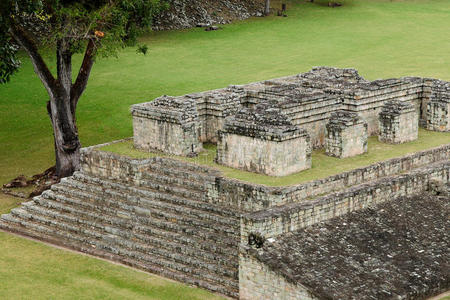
{"points": [[21, 185]]}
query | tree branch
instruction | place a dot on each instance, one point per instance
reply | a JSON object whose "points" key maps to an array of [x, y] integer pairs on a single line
{"points": [[40, 67], [83, 75]]}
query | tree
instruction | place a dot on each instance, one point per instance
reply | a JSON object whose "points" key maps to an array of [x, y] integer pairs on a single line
{"points": [[98, 27]]}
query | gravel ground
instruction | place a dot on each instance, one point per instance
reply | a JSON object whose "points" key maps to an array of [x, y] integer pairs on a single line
{"points": [[396, 250]]}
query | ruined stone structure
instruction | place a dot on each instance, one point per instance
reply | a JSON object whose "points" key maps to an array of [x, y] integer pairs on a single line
{"points": [[346, 135], [309, 99], [399, 123], [263, 140], [438, 107], [167, 124], [330, 238]]}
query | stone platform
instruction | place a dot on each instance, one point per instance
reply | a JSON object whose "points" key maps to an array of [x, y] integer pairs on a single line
{"points": [[191, 223], [187, 222]]}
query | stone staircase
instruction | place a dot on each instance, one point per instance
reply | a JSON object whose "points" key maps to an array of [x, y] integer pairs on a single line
{"points": [[162, 225]]}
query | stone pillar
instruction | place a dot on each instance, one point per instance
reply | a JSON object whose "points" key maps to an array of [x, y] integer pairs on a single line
{"points": [[346, 135], [399, 123], [438, 108], [167, 124], [262, 140], [438, 115]]}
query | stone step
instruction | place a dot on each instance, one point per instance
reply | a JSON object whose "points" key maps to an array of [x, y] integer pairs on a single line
{"points": [[168, 227], [160, 196], [180, 169], [30, 228], [147, 207], [183, 183], [121, 239], [114, 244], [151, 201], [110, 222], [156, 187]]}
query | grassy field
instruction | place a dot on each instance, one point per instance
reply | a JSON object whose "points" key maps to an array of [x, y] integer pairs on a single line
{"points": [[31, 270], [322, 165], [381, 38]]}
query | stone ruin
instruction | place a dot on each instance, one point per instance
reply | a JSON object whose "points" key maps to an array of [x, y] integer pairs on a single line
{"points": [[399, 123], [269, 127], [168, 124], [339, 237], [346, 135], [438, 116], [262, 140]]}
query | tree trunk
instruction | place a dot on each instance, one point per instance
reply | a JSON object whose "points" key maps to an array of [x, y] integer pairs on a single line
{"points": [[66, 142], [63, 94], [267, 8], [62, 116]]}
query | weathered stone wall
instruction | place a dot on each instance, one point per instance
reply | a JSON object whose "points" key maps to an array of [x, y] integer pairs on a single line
{"points": [[438, 113], [349, 91], [432, 89], [258, 281], [346, 135], [213, 107], [278, 220], [267, 157], [438, 106], [399, 123], [263, 140], [189, 13], [168, 124], [250, 197], [167, 137], [309, 99], [368, 103]]}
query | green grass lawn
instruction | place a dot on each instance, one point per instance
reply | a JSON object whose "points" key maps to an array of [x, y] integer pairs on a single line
{"points": [[381, 38], [322, 165], [31, 270]]}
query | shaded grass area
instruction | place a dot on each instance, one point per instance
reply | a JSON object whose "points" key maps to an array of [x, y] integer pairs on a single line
{"points": [[8, 202], [31, 270], [322, 165]]}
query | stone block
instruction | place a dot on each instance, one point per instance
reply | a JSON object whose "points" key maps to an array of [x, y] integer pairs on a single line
{"points": [[398, 122], [262, 140], [438, 108], [168, 124], [346, 135]]}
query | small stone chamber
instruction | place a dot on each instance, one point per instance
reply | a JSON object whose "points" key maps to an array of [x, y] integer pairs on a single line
{"points": [[399, 123], [346, 135], [168, 124], [263, 140], [438, 109]]}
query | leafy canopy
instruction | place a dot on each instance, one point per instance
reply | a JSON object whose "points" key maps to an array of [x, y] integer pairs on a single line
{"points": [[111, 24]]}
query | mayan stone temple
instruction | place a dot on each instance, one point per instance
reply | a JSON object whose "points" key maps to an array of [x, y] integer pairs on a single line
{"points": [[339, 237]]}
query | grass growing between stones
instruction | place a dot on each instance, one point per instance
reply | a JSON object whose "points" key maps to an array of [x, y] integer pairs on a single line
{"points": [[322, 165]]}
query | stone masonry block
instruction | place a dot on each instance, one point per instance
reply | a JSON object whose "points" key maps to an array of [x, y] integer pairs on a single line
{"points": [[438, 108], [168, 124], [346, 135], [398, 122], [262, 140]]}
